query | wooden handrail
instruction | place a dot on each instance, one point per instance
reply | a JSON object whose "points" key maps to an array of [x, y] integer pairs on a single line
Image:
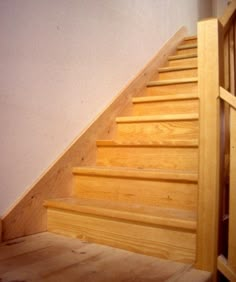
{"points": [[228, 97], [225, 268]]}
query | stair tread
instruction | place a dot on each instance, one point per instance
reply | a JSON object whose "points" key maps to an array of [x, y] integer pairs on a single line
{"points": [[187, 46], [174, 218], [162, 98], [153, 118], [176, 68], [184, 56], [192, 37], [163, 143], [172, 81], [127, 172]]}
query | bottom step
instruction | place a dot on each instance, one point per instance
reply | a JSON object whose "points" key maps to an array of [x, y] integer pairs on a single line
{"points": [[164, 233]]}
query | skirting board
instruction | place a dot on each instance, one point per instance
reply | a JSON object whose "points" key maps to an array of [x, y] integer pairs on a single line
{"points": [[28, 216]]}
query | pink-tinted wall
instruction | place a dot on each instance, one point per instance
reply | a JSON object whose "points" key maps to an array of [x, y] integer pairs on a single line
{"points": [[61, 63]]}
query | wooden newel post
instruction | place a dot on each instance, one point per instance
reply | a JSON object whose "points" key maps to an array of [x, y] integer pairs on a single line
{"points": [[210, 74]]}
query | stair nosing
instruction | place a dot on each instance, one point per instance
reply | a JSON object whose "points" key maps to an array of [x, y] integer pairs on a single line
{"points": [[193, 37], [164, 98], [125, 215], [182, 57], [176, 68], [161, 144], [187, 46], [157, 118], [136, 173], [172, 81]]}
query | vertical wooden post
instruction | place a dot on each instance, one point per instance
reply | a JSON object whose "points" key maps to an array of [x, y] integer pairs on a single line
{"points": [[232, 197], [210, 76]]}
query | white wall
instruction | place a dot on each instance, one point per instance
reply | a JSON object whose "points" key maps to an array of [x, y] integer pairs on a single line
{"points": [[61, 63]]}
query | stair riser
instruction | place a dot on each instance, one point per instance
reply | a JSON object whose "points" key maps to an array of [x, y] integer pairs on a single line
{"points": [[191, 62], [149, 240], [187, 42], [177, 74], [170, 107], [166, 194], [157, 131], [182, 88], [186, 51], [148, 157]]}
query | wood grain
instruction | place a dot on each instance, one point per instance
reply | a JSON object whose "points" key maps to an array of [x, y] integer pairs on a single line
{"points": [[210, 78], [28, 215], [152, 131], [232, 195], [188, 88], [164, 243], [50, 257], [174, 158], [143, 191], [188, 106], [178, 73]]}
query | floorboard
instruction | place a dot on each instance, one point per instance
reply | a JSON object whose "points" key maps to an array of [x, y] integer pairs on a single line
{"points": [[49, 257]]}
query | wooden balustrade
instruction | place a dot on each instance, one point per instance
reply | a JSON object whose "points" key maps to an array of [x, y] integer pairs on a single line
{"points": [[217, 88]]}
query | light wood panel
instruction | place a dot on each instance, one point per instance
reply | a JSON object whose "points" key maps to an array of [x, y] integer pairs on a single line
{"points": [[174, 158], [178, 73], [210, 78], [28, 216], [131, 213], [149, 240], [232, 195], [146, 191], [186, 51], [183, 62], [153, 131], [184, 106], [172, 82], [49, 257], [186, 88], [182, 57]]}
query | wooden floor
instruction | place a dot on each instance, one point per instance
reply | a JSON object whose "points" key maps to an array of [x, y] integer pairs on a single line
{"points": [[50, 257]]}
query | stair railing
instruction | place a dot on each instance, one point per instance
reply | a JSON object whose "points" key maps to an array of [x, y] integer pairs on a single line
{"points": [[217, 144]]}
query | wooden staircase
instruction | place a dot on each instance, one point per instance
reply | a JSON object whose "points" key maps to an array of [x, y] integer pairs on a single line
{"points": [[142, 193]]}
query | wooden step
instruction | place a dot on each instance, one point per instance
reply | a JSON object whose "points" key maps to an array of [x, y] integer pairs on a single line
{"points": [[156, 118], [164, 98], [160, 188], [176, 157], [188, 106], [160, 105], [174, 86], [191, 61], [187, 49], [172, 82], [157, 131], [182, 57], [177, 72], [189, 40], [187, 46], [153, 231]]}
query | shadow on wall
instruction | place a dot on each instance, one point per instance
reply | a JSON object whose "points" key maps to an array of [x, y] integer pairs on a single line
{"points": [[205, 9]]}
